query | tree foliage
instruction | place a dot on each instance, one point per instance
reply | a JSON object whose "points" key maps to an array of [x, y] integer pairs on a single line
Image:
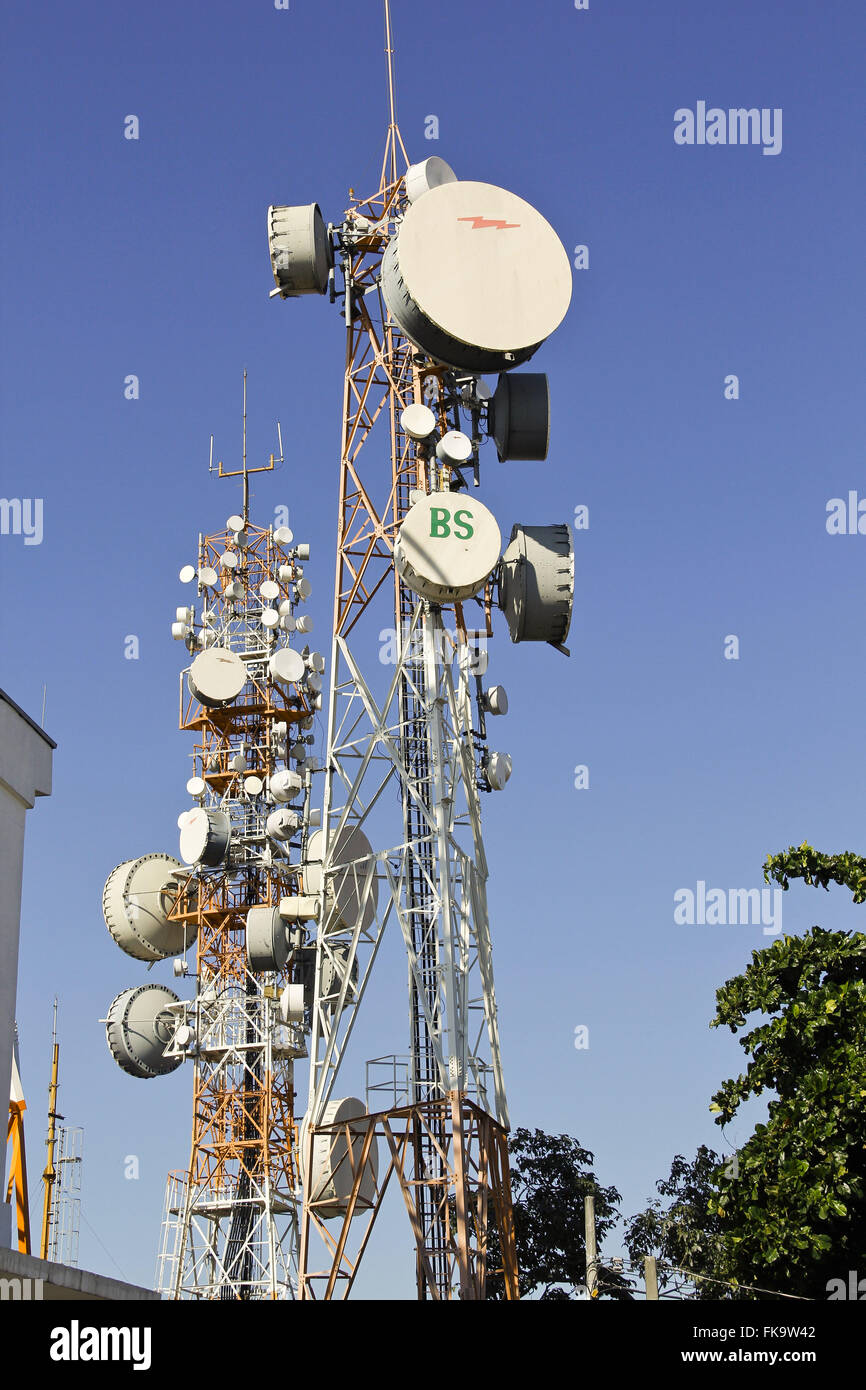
{"points": [[550, 1176], [789, 1213], [796, 1215], [681, 1231]]}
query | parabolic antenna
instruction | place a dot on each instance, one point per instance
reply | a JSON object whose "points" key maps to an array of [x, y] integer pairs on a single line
{"points": [[350, 858], [334, 970], [475, 277], [283, 824], [454, 448], [267, 939], [139, 1029], [498, 771], [285, 785], [300, 248], [428, 174], [187, 574], [418, 421], [518, 417], [336, 1158], [447, 546], [283, 536], [287, 666], [536, 587], [136, 901], [205, 837], [217, 677]]}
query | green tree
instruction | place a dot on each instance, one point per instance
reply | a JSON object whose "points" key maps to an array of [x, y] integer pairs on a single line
{"points": [[795, 1216], [787, 1213], [550, 1176], [681, 1232]]}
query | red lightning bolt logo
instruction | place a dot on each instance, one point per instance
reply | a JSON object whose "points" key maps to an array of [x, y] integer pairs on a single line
{"points": [[488, 222]]}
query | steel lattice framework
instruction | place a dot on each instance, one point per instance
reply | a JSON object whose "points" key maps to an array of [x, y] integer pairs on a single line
{"points": [[231, 1223], [402, 720]]}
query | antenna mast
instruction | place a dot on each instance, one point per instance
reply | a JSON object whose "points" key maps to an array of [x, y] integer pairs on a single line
{"points": [[420, 724], [49, 1177]]}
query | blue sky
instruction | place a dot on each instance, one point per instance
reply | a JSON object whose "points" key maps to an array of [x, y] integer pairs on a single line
{"points": [[707, 515]]}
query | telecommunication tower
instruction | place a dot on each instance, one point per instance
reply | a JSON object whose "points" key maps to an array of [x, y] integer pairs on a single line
{"points": [[61, 1206], [440, 282], [249, 696]]}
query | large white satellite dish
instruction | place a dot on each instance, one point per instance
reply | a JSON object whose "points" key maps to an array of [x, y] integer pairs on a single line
{"points": [[205, 837], [139, 1028], [476, 277], [335, 1160], [217, 677], [136, 901], [301, 253], [350, 857], [447, 546], [536, 586], [267, 939]]}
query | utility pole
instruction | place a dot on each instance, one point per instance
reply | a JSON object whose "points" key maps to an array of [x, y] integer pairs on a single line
{"points": [[651, 1277], [591, 1247]]}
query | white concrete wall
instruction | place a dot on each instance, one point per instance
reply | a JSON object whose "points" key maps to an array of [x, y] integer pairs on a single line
{"points": [[25, 773]]}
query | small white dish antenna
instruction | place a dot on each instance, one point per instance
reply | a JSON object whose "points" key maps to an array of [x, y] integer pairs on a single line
{"points": [[229, 560], [187, 574], [496, 700], [196, 786], [285, 785], [498, 770], [282, 824], [304, 623], [270, 618], [454, 448], [283, 537], [254, 786], [286, 666], [418, 421], [179, 631], [426, 175], [304, 588], [269, 590], [207, 577], [235, 523]]}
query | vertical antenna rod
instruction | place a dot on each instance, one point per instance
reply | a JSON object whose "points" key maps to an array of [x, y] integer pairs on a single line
{"points": [[49, 1177]]}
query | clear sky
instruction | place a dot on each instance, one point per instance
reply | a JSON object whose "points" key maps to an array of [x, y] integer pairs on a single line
{"points": [[707, 514]]}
